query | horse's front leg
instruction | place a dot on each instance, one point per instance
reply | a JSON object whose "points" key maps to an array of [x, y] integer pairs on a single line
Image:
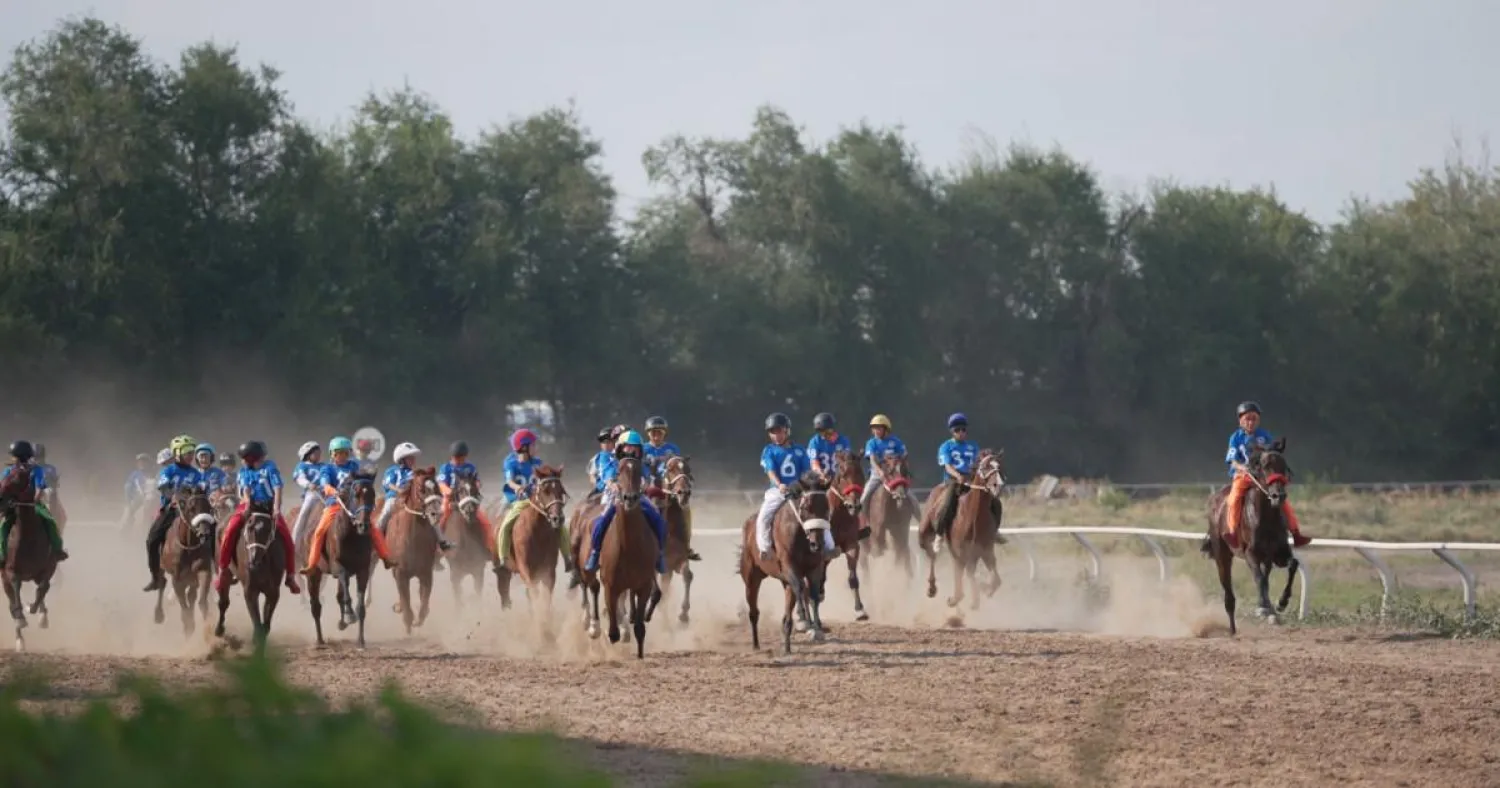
{"points": [[1262, 575], [687, 593], [424, 592], [925, 541], [252, 603], [852, 557], [1291, 574], [223, 610], [160, 615], [13, 594], [1224, 559], [591, 608], [612, 608], [187, 596], [362, 585], [346, 605], [39, 605], [958, 583]]}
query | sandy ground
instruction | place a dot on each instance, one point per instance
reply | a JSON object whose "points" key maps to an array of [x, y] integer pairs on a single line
{"points": [[1043, 683]]}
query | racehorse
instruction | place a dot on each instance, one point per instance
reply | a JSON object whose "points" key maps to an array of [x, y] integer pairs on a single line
{"points": [[413, 543], [890, 512], [187, 556], [677, 492], [470, 553], [259, 564], [843, 518], [348, 551], [535, 541], [1263, 535], [627, 562], [224, 502], [800, 562], [975, 530], [29, 557]]}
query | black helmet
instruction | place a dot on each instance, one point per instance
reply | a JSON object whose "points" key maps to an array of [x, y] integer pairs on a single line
{"points": [[252, 450], [656, 423], [1247, 407], [823, 421], [778, 420], [225, 459], [606, 434], [458, 449], [41, 453], [22, 451]]}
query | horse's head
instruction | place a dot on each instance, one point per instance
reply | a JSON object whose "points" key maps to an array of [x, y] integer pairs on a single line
{"points": [[423, 495], [19, 486], [194, 508], [260, 530], [849, 478], [549, 495], [989, 471], [813, 508], [677, 480], [629, 480], [895, 476], [466, 493], [358, 496], [1269, 463]]}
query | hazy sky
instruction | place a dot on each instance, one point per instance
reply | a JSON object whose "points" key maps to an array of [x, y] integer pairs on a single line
{"points": [[1322, 98]]}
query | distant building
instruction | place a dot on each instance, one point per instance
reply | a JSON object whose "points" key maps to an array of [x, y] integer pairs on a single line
{"points": [[535, 415]]}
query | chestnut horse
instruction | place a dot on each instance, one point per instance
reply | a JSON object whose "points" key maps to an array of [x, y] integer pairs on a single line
{"points": [[891, 510], [471, 552], [1263, 535], [535, 542], [348, 552], [800, 562], [413, 543], [627, 562], [677, 492], [187, 557], [259, 564], [843, 517], [975, 530], [29, 557]]}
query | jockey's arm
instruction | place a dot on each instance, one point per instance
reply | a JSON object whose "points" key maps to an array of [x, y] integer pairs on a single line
{"points": [[952, 472], [776, 481], [275, 499]]}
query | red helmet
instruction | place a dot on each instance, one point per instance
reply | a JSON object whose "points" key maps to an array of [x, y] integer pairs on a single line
{"points": [[522, 437]]}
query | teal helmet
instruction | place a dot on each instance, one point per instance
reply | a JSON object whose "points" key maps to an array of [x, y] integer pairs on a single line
{"points": [[340, 443], [630, 438]]}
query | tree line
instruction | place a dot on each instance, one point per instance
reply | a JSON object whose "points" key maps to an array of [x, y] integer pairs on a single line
{"points": [[177, 226]]}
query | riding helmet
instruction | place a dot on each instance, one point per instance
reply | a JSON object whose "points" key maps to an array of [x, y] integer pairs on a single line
{"points": [[606, 434], [306, 449], [458, 449], [340, 443], [656, 423], [957, 420], [522, 437], [776, 420], [206, 447], [226, 460], [880, 420], [22, 451], [252, 450], [1247, 406], [823, 421]]}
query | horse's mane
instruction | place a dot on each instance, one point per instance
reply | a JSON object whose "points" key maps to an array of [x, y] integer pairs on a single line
{"points": [[548, 472]]}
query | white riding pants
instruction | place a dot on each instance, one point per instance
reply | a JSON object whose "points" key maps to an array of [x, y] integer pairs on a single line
{"points": [[310, 501]]}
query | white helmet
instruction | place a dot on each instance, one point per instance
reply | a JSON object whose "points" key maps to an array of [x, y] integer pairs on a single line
{"points": [[306, 448], [405, 450], [164, 456]]}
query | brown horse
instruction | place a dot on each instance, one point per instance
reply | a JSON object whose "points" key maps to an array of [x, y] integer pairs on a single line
{"points": [[891, 510], [29, 557], [975, 529], [187, 557], [800, 562], [413, 543], [677, 489], [535, 541], [259, 564], [627, 562], [348, 551], [847, 487], [470, 554], [1263, 535]]}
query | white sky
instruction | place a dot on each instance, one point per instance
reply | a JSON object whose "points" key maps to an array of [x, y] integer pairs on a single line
{"points": [[1320, 98]]}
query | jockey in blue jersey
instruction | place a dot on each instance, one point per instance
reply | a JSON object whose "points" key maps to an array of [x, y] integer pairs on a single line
{"points": [[395, 479], [258, 482], [784, 464], [447, 479], [307, 476], [331, 482], [22, 454], [214, 479], [657, 449], [826, 441], [881, 444], [600, 461], [137, 489], [1248, 437], [175, 475], [628, 445], [957, 457]]}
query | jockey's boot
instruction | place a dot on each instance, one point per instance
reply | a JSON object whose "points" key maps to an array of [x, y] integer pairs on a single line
{"points": [[575, 578], [62, 555], [864, 532], [693, 555], [291, 583], [1207, 548], [592, 564], [158, 581]]}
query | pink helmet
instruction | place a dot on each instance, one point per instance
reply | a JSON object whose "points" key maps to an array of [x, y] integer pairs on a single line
{"points": [[522, 437]]}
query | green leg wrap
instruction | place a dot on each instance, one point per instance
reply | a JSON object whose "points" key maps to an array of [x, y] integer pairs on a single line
{"points": [[502, 541], [50, 524], [565, 545], [687, 523], [5, 526]]}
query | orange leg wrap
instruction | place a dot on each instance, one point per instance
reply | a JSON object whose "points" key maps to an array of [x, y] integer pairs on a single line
{"points": [[315, 550], [380, 547]]}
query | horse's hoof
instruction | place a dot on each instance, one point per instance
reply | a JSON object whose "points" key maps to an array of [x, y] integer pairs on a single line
{"points": [[953, 601], [931, 592], [801, 625], [683, 618], [863, 616], [219, 631], [160, 616], [593, 631], [816, 636], [343, 625]]}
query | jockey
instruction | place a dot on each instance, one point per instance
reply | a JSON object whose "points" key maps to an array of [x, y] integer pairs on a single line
{"points": [[825, 441], [53, 484], [1249, 435], [520, 466], [880, 445], [447, 478], [22, 453], [332, 479], [657, 449], [784, 464], [228, 465], [164, 458], [307, 474], [396, 477], [137, 485], [259, 481], [957, 456], [176, 474], [214, 478], [605, 456], [628, 445]]}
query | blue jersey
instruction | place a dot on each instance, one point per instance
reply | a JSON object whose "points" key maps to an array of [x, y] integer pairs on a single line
{"points": [[308, 475], [396, 477], [960, 454], [889, 446], [176, 475], [49, 475], [1240, 444], [334, 475], [260, 484], [656, 456], [38, 478], [822, 450], [214, 479], [449, 473], [520, 473], [601, 464], [788, 462], [136, 486]]}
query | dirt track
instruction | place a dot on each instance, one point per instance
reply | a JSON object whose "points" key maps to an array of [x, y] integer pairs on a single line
{"points": [[1157, 707]]}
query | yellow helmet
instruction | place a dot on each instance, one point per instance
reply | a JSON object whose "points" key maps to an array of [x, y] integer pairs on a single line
{"points": [[183, 444], [880, 420]]}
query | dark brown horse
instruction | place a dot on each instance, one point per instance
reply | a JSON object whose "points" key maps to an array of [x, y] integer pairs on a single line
{"points": [[800, 561], [187, 557], [845, 490], [29, 557], [348, 552], [413, 543], [1263, 535], [677, 493], [259, 564], [470, 554], [975, 530], [891, 510], [535, 542], [627, 562]]}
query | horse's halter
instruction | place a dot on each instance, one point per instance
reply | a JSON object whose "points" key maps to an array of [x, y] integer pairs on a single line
{"points": [[197, 523], [358, 509], [431, 497], [893, 478], [466, 490], [630, 499], [678, 481], [989, 476], [557, 497], [846, 465], [260, 526], [1275, 484]]}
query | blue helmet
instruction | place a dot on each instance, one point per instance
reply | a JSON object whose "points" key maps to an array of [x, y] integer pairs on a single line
{"points": [[340, 443], [206, 447], [957, 420], [630, 438]]}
